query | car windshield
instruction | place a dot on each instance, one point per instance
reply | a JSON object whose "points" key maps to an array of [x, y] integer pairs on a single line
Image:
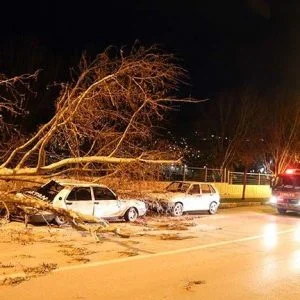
{"points": [[178, 187], [287, 181]]}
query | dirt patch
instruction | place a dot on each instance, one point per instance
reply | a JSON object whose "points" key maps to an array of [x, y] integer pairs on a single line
{"points": [[190, 284], [128, 253], [13, 280], [42, 269], [77, 254], [175, 237], [4, 266], [29, 273], [175, 226]]}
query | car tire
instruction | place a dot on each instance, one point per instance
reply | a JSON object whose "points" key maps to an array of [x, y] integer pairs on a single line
{"points": [[213, 207], [60, 220], [281, 211], [177, 210], [131, 214]]}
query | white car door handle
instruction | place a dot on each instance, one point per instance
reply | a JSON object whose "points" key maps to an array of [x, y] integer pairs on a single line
{"points": [[96, 202], [69, 203]]}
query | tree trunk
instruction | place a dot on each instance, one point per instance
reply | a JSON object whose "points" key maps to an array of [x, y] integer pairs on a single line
{"points": [[244, 183], [79, 160]]}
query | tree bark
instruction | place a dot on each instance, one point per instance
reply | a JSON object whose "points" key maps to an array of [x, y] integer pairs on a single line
{"points": [[244, 183]]}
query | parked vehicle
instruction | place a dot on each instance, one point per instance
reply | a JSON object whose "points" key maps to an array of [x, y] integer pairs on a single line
{"points": [[86, 198], [185, 196], [286, 191]]}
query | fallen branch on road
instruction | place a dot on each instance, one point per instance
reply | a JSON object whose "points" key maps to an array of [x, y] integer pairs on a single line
{"points": [[22, 208]]}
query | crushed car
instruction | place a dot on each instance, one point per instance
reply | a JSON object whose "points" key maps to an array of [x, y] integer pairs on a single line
{"points": [[86, 198], [184, 196]]}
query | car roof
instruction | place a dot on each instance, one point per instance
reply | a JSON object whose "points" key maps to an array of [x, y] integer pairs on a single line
{"points": [[193, 182], [73, 182]]}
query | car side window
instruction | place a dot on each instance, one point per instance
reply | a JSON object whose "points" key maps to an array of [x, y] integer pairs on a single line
{"points": [[212, 189], [195, 189], [205, 189], [102, 193], [80, 194]]}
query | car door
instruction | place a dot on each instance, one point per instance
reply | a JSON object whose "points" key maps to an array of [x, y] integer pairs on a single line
{"points": [[106, 203], [193, 196], [80, 200], [206, 196]]}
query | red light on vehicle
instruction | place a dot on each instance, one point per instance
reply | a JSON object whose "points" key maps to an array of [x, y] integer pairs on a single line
{"points": [[290, 171]]}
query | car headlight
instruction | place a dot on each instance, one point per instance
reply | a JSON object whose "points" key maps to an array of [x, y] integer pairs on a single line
{"points": [[273, 200]]}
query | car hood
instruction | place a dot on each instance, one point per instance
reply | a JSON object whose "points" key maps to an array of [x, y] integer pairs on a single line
{"points": [[165, 196]]}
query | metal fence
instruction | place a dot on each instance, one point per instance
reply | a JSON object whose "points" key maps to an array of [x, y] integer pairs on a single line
{"points": [[215, 175], [251, 178], [204, 174]]}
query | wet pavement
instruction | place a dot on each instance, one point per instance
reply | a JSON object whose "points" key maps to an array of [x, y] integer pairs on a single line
{"points": [[240, 253]]}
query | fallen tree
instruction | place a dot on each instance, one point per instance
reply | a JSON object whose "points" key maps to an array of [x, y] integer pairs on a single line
{"points": [[105, 116], [12, 207]]}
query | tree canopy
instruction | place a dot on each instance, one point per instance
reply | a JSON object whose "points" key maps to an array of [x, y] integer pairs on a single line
{"points": [[105, 115]]}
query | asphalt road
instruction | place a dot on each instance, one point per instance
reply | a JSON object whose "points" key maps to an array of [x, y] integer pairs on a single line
{"points": [[253, 253]]}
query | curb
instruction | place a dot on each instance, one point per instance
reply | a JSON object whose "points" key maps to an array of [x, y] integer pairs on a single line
{"points": [[238, 204]]}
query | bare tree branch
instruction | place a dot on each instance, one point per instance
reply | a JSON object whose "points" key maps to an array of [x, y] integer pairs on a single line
{"points": [[106, 114]]}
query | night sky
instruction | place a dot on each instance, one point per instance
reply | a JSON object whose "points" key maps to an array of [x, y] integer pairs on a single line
{"points": [[223, 44]]}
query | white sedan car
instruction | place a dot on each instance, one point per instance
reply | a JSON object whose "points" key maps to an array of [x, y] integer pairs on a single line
{"points": [[87, 198], [185, 196]]}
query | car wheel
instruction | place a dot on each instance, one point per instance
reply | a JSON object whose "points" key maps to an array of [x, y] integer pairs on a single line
{"points": [[131, 214], [177, 210], [60, 220], [281, 211], [213, 207]]}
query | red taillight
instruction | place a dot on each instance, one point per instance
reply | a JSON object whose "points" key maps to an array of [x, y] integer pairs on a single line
{"points": [[290, 171]]}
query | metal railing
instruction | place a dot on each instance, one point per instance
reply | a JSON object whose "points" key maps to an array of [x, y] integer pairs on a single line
{"points": [[215, 175], [251, 178], [205, 174]]}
